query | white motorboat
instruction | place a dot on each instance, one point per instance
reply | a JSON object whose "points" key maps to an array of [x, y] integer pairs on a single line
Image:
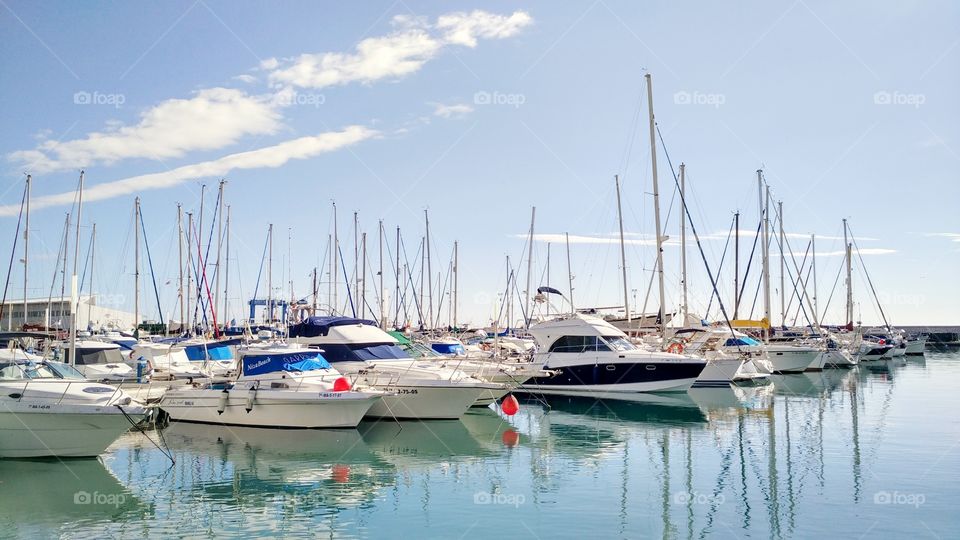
{"points": [[281, 387], [369, 357], [166, 361], [98, 360], [48, 409], [870, 350], [734, 355], [793, 358], [591, 357], [915, 346]]}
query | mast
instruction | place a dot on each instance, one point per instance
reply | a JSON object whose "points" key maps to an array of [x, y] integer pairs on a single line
{"points": [[356, 256], [526, 309], [396, 317], [848, 246], [189, 315], [456, 269], [216, 286], [363, 275], [93, 240], [74, 298], [764, 216], [383, 324], [623, 253], [334, 249], [426, 218], [314, 290], [183, 309], [656, 198], [136, 267], [423, 292], [226, 273], [26, 243], [736, 265], [683, 239], [548, 278], [63, 270], [569, 275], [270, 275], [783, 291]]}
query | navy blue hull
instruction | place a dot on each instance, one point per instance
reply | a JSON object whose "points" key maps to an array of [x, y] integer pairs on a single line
{"points": [[614, 374]]}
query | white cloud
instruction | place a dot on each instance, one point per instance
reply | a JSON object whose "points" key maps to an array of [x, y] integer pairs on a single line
{"points": [[246, 78], [447, 111], [954, 237], [396, 54], [554, 238], [464, 28], [214, 118], [268, 157]]}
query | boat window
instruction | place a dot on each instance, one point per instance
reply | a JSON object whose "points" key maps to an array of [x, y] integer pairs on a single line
{"points": [[65, 371], [11, 371], [352, 352], [38, 371], [579, 344], [619, 343]]}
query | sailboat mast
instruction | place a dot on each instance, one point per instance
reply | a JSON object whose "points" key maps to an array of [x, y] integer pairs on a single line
{"points": [[183, 309], [136, 267], [26, 250], [226, 272], [813, 250], [270, 275], [656, 199], [623, 253], [736, 265], [783, 291], [426, 218], [334, 249], [189, 315], [216, 286], [683, 239], [356, 256], [456, 268], [849, 250], [764, 216], [396, 296], [380, 291], [548, 278], [93, 241], [569, 275], [74, 298], [363, 276], [526, 308]]}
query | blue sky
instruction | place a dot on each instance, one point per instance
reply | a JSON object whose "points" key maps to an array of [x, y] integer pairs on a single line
{"points": [[479, 112]]}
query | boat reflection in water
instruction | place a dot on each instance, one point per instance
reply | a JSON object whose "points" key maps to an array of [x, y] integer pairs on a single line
{"points": [[40, 495]]}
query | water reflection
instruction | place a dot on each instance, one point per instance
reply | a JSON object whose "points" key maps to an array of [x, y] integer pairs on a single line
{"points": [[799, 455]]}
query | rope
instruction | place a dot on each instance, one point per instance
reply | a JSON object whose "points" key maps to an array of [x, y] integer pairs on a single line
{"points": [[153, 275], [13, 252]]}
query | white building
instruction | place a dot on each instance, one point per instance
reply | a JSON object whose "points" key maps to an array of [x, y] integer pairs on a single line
{"points": [[96, 312]]}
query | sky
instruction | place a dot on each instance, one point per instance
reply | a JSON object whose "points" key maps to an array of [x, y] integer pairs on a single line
{"points": [[477, 113]]}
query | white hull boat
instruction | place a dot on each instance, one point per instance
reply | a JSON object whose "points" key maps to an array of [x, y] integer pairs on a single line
{"points": [[915, 347], [791, 359]]}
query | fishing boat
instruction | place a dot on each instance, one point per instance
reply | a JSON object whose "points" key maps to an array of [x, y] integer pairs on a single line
{"points": [[278, 387], [48, 409], [370, 357], [593, 358]]}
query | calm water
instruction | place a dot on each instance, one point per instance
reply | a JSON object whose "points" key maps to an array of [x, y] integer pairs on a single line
{"points": [[873, 451]]}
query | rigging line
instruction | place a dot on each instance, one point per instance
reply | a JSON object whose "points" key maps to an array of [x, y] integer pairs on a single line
{"points": [[213, 312], [13, 253], [153, 275], [206, 257], [628, 151], [803, 266], [832, 290], [86, 260], [867, 274], [56, 270], [719, 268], [256, 286], [693, 229], [746, 273], [409, 282]]}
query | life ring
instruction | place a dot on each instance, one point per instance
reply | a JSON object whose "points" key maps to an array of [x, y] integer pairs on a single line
{"points": [[675, 348], [484, 347]]}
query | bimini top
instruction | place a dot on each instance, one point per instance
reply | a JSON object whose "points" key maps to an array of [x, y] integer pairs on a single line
{"points": [[262, 362], [320, 326]]}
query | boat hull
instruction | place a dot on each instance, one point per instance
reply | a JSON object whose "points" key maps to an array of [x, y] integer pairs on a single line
{"points": [[624, 378], [31, 430], [428, 402], [270, 408], [719, 373], [785, 360], [916, 347]]}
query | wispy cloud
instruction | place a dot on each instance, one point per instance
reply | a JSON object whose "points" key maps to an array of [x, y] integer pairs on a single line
{"points": [[953, 237], [395, 55], [449, 111], [212, 119], [267, 157]]}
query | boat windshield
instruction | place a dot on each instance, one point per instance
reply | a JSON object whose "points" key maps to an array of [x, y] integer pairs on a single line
{"points": [[25, 370], [419, 350], [65, 371], [619, 343]]}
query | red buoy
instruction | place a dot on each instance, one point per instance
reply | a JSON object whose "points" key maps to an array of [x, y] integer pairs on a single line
{"points": [[510, 438], [341, 385], [510, 405]]}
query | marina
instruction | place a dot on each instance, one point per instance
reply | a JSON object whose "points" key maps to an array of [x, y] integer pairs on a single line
{"points": [[622, 292]]}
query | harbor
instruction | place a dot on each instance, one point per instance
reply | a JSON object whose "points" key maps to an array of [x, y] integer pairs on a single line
{"points": [[414, 276]]}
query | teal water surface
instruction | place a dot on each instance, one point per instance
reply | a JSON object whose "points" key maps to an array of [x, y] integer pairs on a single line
{"points": [[872, 451]]}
